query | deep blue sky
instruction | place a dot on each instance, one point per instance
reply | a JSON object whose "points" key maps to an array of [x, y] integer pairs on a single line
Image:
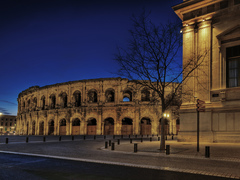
{"points": [[45, 42]]}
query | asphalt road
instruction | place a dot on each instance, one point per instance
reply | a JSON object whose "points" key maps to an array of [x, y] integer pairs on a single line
{"points": [[20, 167]]}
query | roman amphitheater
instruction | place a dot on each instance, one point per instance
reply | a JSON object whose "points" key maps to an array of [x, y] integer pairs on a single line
{"points": [[109, 106]]}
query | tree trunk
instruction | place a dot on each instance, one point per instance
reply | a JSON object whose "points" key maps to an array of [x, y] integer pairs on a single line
{"points": [[162, 144]]}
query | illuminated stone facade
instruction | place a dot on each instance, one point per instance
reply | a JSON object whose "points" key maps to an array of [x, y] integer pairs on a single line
{"points": [[212, 25], [96, 107], [8, 124]]}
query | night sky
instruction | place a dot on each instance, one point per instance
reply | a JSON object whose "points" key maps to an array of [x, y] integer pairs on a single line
{"points": [[45, 42]]}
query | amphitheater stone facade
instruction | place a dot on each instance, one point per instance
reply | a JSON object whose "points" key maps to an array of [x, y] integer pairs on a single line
{"points": [[95, 107]]}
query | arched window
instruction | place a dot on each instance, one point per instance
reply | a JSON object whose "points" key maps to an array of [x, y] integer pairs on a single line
{"points": [[43, 102], [110, 95], [53, 101], [92, 96], [145, 95], [77, 98], [63, 122], [35, 102], [63, 97], [127, 96], [76, 122], [29, 103]]}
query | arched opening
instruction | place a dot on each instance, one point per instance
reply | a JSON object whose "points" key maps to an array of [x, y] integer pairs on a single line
{"points": [[43, 102], [62, 128], [23, 106], [77, 98], [110, 95], [145, 95], [127, 96], [29, 104], [178, 125], [63, 97], [53, 101], [127, 126], [76, 127], [92, 127], [146, 127], [41, 128], [166, 128], [33, 128], [92, 96], [51, 127], [109, 126], [35, 103]]}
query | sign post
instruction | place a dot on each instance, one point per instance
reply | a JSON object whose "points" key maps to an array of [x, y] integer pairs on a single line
{"points": [[200, 108]]}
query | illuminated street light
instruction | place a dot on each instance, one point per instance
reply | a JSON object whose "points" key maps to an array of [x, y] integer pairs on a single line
{"points": [[0, 113]]}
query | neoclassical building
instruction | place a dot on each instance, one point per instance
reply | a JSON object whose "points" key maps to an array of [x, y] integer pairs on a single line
{"points": [[212, 26], [93, 107]]}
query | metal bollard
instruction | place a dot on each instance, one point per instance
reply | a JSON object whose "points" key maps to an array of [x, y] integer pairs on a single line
{"points": [[135, 147], [207, 151], [26, 139], [167, 149], [158, 138], [141, 139], [118, 141], [104, 137], [60, 138], [84, 137], [130, 140], [94, 137], [129, 136], [6, 141], [150, 139], [172, 137], [112, 148], [106, 144], [72, 138], [44, 138], [113, 136], [109, 142]]}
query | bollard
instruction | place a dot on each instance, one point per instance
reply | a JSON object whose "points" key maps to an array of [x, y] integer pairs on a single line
{"points": [[207, 151], [113, 136], [60, 138], [158, 138], [44, 138], [135, 147], [112, 148], [150, 139], [109, 142], [6, 140], [106, 144], [167, 149], [130, 140], [129, 136], [121, 136], [26, 139], [84, 137], [72, 138], [104, 137], [141, 139], [118, 141], [172, 137], [157, 135], [94, 137]]}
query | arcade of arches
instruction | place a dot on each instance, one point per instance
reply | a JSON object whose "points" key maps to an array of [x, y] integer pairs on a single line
{"points": [[111, 106]]}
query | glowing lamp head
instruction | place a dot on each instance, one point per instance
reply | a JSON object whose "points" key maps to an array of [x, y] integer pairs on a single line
{"points": [[0, 113]]}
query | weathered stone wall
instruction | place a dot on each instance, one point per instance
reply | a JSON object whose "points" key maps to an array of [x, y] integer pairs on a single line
{"points": [[102, 100]]}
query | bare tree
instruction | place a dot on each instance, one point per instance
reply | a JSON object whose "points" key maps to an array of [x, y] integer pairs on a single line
{"points": [[152, 60]]}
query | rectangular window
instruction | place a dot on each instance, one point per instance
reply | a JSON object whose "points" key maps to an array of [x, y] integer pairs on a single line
{"points": [[6, 124], [233, 66], [1, 123], [10, 124]]}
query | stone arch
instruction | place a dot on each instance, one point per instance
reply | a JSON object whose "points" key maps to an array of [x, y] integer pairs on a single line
{"points": [[43, 102], [146, 126], [35, 102], [62, 127], [41, 128], [51, 127], [110, 95], [33, 127], [92, 96], [127, 126], [63, 97], [52, 101], [77, 98], [109, 126], [127, 95], [76, 126], [91, 126], [145, 94]]}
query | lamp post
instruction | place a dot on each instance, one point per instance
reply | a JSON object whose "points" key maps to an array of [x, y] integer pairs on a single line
{"points": [[166, 116]]}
